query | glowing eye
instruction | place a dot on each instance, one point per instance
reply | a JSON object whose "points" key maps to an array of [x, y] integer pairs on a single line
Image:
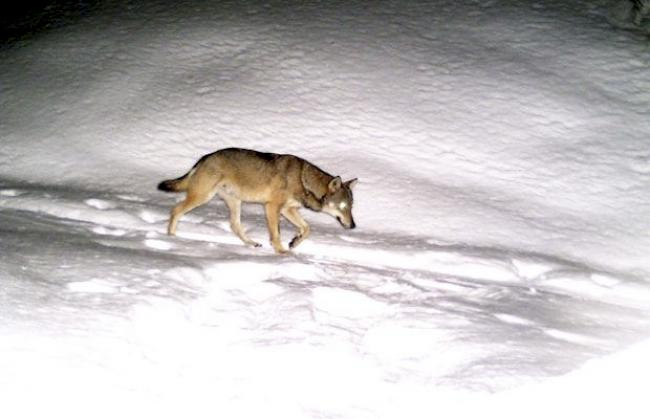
{"points": [[343, 205]]}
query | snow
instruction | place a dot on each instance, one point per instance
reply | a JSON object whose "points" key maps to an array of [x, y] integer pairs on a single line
{"points": [[499, 267]]}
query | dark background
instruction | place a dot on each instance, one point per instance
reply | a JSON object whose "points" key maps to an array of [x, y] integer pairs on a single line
{"points": [[28, 18]]}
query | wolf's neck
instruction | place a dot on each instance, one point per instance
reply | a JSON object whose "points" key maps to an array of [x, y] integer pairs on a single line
{"points": [[315, 180]]}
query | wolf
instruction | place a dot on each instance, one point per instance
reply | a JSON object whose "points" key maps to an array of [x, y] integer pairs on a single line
{"points": [[283, 183]]}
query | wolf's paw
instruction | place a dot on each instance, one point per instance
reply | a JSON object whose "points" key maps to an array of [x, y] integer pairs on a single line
{"points": [[295, 242], [281, 251]]}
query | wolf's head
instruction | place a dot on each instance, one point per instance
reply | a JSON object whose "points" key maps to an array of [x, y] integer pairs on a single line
{"points": [[338, 201]]}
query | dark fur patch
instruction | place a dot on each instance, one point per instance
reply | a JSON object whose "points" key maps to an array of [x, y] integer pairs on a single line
{"points": [[266, 156], [165, 186]]}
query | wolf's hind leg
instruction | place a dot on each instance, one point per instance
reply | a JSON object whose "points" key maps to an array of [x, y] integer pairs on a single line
{"points": [[200, 189], [192, 200], [235, 221], [296, 219]]}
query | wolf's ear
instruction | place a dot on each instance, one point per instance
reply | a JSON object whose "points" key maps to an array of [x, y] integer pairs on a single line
{"points": [[335, 184], [351, 183]]}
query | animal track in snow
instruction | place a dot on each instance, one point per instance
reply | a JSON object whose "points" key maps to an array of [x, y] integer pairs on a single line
{"points": [[100, 204], [531, 269], [130, 198], [158, 244], [10, 192], [151, 216], [107, 231], [351, 239]]}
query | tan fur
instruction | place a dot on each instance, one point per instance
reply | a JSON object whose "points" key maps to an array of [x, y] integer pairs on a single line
{"points": [[283, 183]]}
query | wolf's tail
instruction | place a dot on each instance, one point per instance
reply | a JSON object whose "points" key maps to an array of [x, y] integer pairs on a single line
{"points": [[182, 183], [176, 185]]}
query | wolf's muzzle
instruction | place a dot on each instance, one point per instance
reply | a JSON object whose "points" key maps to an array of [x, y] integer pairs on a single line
{"points": [[347, 226]]}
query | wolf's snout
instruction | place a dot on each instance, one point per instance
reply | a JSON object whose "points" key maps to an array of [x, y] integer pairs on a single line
{"points": [[346, 225], [349, 225]]}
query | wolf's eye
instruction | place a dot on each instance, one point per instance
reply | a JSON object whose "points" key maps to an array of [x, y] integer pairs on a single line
{"points": [[343, 205]]}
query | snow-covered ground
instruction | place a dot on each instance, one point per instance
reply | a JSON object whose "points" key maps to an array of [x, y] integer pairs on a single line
{"points": [[499, 267]]}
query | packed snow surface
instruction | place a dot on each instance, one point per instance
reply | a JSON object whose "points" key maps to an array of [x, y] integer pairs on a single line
{"points": [[500, 264]]}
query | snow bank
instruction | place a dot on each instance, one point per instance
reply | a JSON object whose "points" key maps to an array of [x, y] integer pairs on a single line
{"points": [[502, 204]]}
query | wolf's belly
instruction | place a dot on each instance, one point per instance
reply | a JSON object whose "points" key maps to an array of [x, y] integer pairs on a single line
{"points": [[232, 190]]}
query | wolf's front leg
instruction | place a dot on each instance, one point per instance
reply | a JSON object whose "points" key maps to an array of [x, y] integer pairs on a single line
{"points": [[296, 219], [272, 210]]}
